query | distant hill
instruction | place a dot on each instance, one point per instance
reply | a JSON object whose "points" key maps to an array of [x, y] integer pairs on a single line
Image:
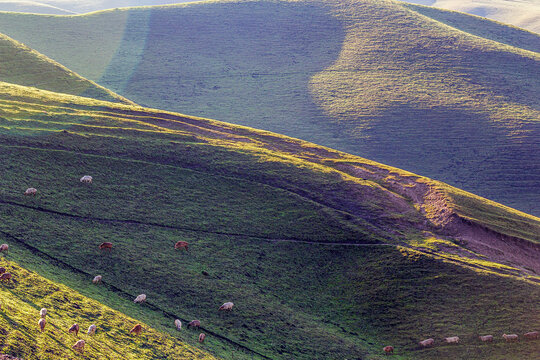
{"points": [[33, 7], [450, 96], [524, 13], [24, 66], [325, 255]]}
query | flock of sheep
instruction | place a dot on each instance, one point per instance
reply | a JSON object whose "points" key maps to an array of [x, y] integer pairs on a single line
{"points": [[533, 335], [137, 329]]}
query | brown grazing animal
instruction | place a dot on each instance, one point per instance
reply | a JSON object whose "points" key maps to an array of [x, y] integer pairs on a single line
{"points": [[226, 307], [5, 276], [510, 337], [533, 335], [388, 349], [97, 279], [105, 245], [178, 324], [136, 329], [2, 270], [4, 248], [43, 312], [30, 192], [181, 245], [452, 340], [201, 337], [194, 323], [426, 343], [74, 329], [486, 338], [42, 322], [79, 346]]}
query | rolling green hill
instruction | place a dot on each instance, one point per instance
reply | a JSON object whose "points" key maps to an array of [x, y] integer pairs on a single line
{"points": [[438, 93], [325, 255], [27, 292], [24, 66]]}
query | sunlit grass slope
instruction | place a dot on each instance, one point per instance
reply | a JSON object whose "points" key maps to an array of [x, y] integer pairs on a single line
{"points": [[448, 96], [22, 299], [24, 66], [324, 254]]}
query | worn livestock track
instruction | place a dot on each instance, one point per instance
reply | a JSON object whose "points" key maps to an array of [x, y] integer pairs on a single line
{"points": [[125, 294]]}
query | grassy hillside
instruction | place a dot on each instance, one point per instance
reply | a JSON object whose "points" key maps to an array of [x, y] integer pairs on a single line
{"points": [[325, 255], [23, 66], [22, 299], [441, 95]]}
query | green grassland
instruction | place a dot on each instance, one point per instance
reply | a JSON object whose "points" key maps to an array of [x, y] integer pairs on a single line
{"points": [[24, 66], [319, 261], [22, 299], [439, 93]]}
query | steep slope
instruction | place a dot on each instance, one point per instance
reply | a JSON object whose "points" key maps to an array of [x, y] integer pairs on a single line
{"points": [[26, 293], [24, 66], [372, 78], [325, 255]]}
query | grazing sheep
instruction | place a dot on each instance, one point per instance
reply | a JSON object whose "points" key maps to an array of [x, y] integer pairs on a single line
{"points": [[30, 192], [97, 279], [178, 324], [531, 335], [388, 349], [426, 343], [74, 329], [452, 340], [43, 312], [510, 337], [194, 323], [201, 337], [4, 247], [86, 179], [92, 329], [486, 338], [5, 276], [42, 322], [140, 299], [181, 245], [105, 245], [79, 346], [227, 306], [2, 270], [136, 329]]}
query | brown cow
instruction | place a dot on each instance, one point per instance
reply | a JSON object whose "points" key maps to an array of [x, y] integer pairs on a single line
{"points": [[194, 323], [136, 329], [4, 247], [533, 335], [486, 338], [426, 343], [79, 346], [5, 276], [74, 329], [388, 349], [510, 337], [42, 322], [201, 337], [105, 245], [181, 245]]}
